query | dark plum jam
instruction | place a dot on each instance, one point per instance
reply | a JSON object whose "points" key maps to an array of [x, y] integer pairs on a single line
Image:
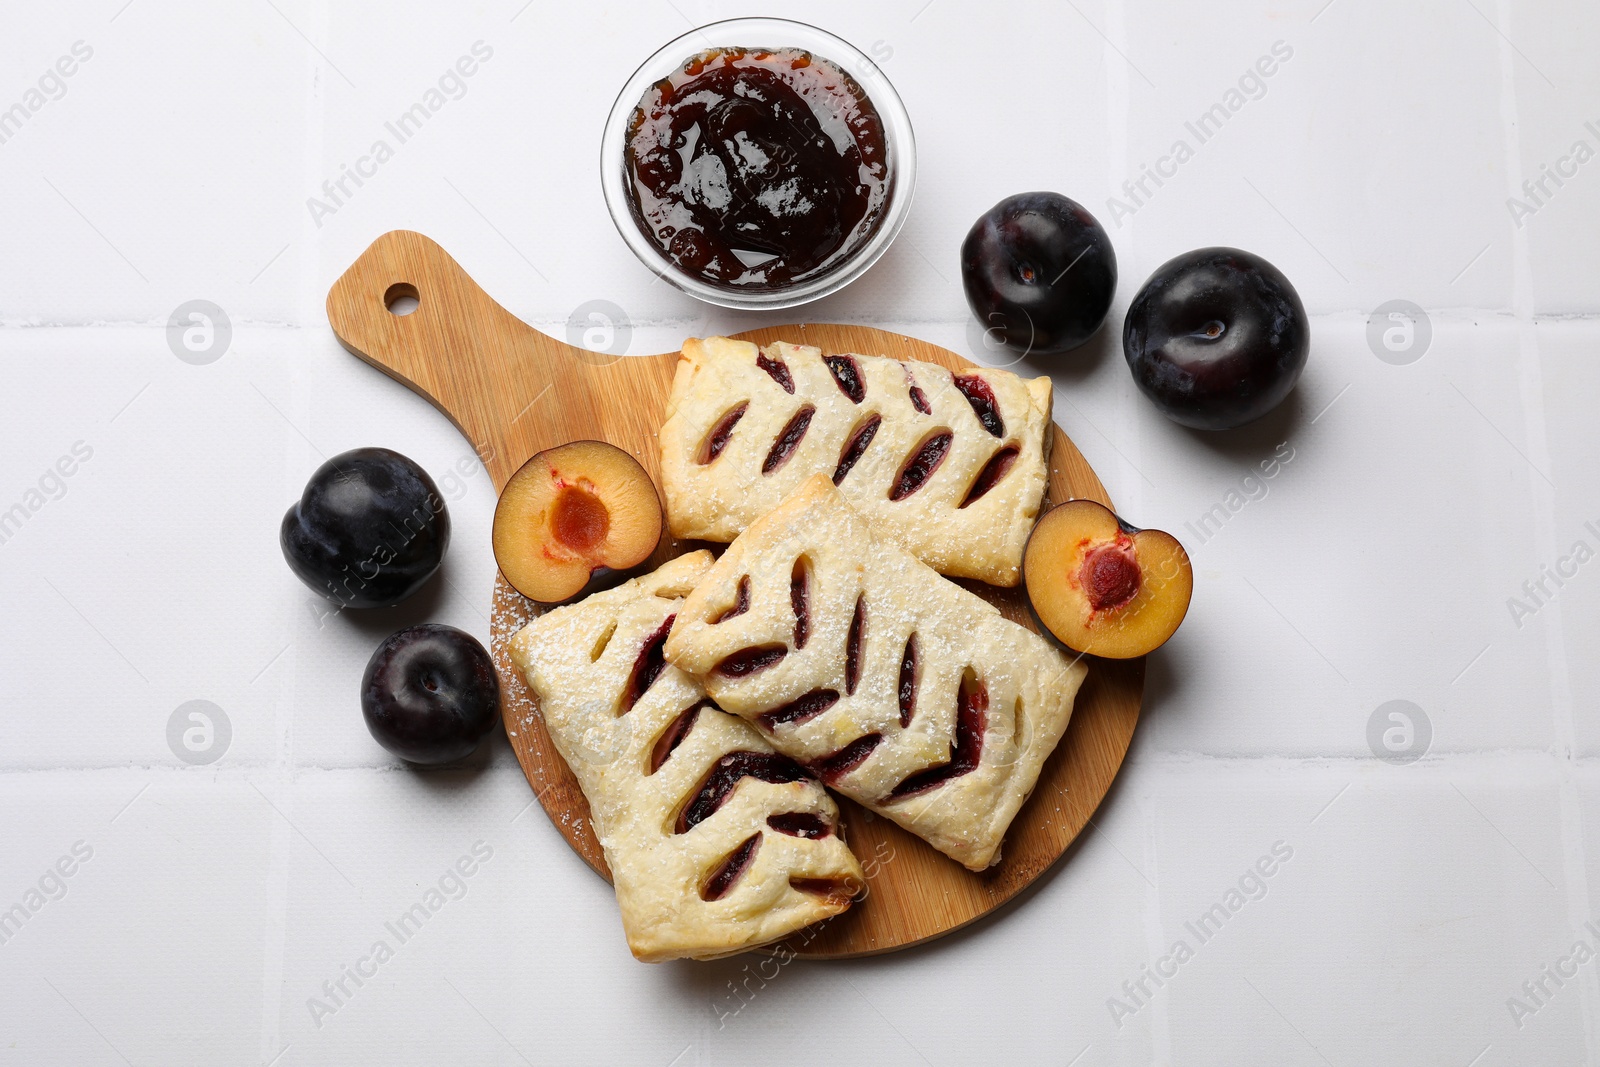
{"points": [[755, 168]]}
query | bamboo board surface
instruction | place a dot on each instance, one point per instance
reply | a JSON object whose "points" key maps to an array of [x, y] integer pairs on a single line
{"points": [[513, 391]]}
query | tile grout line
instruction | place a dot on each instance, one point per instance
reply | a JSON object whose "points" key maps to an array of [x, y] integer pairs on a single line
{"points": [[1536, 438], [1119, 162], [280, 864], [1119, 156], [1455, 315], [1130, 400]]}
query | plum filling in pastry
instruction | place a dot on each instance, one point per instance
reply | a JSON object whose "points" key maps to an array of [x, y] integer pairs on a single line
{"points": [[908, 681], [778, 370], [676, 789], [800, 824], [992, 472], [800, 600], [847, 372], [722, 879], [883, 429], [718, 438], [748, 661], [920, 467], [856, 447], [946, 710], [833, 767], [741, 603], [726, 775], [788, 440], [981, 396], [674, 734], [919, 399], [852, 646], [647, 667], [972, 718], [801, 709]]}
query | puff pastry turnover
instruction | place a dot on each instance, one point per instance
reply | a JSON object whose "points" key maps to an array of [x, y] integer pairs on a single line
{"points": [[897, 687], [716, 843], [951, 467]]}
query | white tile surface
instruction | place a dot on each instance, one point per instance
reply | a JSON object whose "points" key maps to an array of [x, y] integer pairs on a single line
{"points": [[1384, 560]]}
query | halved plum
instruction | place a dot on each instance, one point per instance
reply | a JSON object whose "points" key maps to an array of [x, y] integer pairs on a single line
{"points": [[1104, 587], [575, 518]]}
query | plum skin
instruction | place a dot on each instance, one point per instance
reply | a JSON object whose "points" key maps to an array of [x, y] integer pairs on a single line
{"points": [[430, 694], [1216, 338], [1039, 271], [369, 530]]}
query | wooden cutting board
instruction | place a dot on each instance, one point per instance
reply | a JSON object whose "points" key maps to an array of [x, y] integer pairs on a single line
{"points": [[513, 391]]}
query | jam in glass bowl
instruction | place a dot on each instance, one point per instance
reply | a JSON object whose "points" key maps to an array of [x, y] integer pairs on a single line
{"points": [[758, 163]]}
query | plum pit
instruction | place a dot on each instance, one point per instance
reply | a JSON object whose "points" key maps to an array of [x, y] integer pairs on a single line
{"points": [[1103, 587], [574, 519], [1110, 576], [579, 520]]}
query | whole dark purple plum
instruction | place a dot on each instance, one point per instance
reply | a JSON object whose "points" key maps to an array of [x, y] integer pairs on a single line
{"points": [[430, 694], [369, 530], [1216, 338], [1039, 272]]}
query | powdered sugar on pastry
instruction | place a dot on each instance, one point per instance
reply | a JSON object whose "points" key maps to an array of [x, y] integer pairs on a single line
{"points": [[900, 689], [716, 843], [950, 467]]}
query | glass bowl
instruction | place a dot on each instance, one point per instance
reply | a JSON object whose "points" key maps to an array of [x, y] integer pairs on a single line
{"points": [[900, 157]]}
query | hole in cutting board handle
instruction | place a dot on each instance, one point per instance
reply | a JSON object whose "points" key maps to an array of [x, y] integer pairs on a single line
{"points": [[400, 298]]}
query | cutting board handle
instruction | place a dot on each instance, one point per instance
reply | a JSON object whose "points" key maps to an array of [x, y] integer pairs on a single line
{"points": [[509, 388]]}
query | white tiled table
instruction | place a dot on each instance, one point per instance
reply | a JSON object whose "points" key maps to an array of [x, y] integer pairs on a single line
{"points": [[208, 904]]}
